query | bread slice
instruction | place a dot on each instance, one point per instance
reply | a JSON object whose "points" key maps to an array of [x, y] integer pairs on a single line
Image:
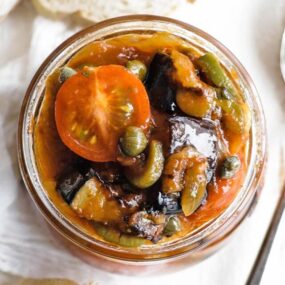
{"points": [[97, 10], [6, 6]]}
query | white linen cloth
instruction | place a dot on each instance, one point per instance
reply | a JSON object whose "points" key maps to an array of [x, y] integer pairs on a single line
{"points": [[252, 31]]}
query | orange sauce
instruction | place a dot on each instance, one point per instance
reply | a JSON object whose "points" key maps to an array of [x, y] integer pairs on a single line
{"points": [[53, 157]]}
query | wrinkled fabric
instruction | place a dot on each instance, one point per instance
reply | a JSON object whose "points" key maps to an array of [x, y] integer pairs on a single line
{"points": [[252, 31]]}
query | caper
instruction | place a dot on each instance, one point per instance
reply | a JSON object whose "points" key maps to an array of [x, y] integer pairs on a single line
{"points": [[230, 167], [172, 226], [138, 68], [152, 169], [133, 141], [65, 73]]}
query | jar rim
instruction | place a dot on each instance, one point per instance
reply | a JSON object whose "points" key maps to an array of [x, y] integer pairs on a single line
{"points": [[206, 234]]}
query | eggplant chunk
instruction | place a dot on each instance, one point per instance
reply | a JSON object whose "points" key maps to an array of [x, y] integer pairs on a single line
{"points": [[156, 200], [169, 203], [93, 202], [69, 184], [149, 226], [185, 73], [161, 89], [132, 201], [107, 172], [198, 133]]}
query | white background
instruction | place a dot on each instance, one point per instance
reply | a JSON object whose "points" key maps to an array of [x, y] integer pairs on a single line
{"points": [[252, 30]]}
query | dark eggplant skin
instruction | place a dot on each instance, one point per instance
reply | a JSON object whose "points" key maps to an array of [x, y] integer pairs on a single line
{"points": [[71, 181], [199, 133], [168, 203], [143, 225], [109, 173], [156, 200], [69, 184], [161, 90]]}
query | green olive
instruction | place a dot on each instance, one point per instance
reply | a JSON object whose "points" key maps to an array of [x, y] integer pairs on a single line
{"points": [[133, 141], [138, 68], [195, 188], [111, 235], [131, 241], [236, 113], [172, 226], [65, 73], [236, 116], [230, 167], [152, 169], [214, 71]]}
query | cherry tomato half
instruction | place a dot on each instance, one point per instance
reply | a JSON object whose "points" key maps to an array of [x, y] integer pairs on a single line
{"points": [[93, 108]]}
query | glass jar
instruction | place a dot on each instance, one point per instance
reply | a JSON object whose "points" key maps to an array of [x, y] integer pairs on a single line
{"points": [[179, 252]]}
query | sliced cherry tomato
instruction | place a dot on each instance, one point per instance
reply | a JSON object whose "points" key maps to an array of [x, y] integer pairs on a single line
{"points": [[93, 108]]}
